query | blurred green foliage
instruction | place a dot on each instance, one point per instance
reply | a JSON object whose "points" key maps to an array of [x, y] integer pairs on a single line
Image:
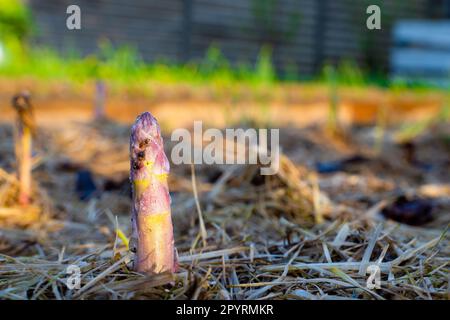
{"points": [[116, 64], [124, 64], [346, 73], [15, 19]]}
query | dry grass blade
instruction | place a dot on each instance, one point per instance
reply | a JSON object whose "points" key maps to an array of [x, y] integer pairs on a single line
{"points": [[203, 232]]}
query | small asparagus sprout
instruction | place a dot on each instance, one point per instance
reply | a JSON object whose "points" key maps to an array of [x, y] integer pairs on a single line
{"points": [[24, 131], [380, 129], [100, 97], [333, 118], [152, 238]]}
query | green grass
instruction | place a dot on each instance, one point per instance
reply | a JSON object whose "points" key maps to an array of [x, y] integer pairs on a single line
{"points": [[15, 19], [125, 65]]}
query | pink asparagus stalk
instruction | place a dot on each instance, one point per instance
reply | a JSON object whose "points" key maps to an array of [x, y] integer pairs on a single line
{"points": [[23, 144], [152, 238]]}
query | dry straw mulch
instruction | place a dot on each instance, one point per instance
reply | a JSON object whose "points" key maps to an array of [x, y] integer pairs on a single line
{"points": [[287, 236]]}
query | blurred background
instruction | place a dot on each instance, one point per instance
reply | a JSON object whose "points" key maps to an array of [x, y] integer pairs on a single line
{"points": [[296, 37], [364, 134], [288, 62], [301, 35]]}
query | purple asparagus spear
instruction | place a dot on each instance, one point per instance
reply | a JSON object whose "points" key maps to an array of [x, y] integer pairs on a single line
{"points": [[152, 238]]}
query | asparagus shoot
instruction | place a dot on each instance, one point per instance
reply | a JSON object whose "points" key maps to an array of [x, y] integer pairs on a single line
{"points": [[152, 238], [23, 144]]}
